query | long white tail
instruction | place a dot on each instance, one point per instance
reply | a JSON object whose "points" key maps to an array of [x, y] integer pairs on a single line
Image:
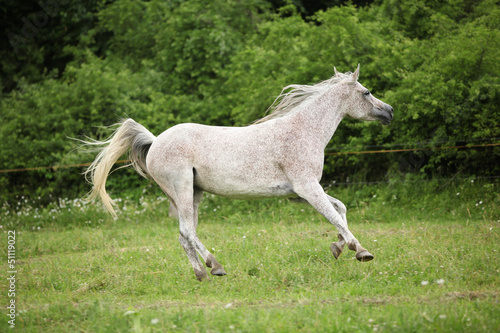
{"points": [[128, 136]]}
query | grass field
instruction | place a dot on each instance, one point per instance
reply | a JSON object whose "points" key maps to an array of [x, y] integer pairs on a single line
{"points": [[436, 267]]}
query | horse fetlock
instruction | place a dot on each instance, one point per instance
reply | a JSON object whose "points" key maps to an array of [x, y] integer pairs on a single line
{"points": [[210, 261], [336, 249], [201, 274], [217, 268], [353, 246]]}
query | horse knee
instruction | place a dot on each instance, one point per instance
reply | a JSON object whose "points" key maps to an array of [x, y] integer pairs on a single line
{"points": [[186, 235], [183, 241], [340, 207]]}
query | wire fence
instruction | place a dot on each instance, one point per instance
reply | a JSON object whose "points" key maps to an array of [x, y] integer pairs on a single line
{"points": [[384, 151], [411, 149], [347, 183], [411, 144], [55, 167]]}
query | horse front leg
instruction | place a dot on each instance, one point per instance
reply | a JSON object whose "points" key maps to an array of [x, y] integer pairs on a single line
{"points": [[338, 247], [334, 211], [361, 253]]}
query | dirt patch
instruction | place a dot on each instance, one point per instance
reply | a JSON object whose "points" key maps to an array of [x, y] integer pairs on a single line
{"points": [[472, 295]]}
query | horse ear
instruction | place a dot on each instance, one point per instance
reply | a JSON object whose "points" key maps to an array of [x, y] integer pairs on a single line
{"points": [[336, 71], [355, 75]]}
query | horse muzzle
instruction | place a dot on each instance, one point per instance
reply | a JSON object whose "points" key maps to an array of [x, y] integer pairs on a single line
{"points": [[385, 115]]}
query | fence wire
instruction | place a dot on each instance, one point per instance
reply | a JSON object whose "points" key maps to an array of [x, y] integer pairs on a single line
{"points": [[55, 167]]}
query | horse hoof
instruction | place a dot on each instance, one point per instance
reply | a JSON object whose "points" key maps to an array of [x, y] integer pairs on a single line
{"points": [[201, 275], [336, 250], [219, 271], [364, 256]]}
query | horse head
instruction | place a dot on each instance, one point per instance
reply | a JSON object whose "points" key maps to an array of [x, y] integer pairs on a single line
{"points": [[360, 103]]}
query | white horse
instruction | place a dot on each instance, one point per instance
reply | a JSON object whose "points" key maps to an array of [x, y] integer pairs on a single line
{"points": [[281, 155]]}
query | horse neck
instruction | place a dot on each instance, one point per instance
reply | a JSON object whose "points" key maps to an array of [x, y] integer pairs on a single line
{"points": [[319, 120]]}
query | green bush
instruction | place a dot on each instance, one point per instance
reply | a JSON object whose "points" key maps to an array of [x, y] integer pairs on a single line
{"points": [[223, 63]]}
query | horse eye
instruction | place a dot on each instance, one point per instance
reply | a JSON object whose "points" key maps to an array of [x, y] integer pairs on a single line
{"points": [[367, 92]]}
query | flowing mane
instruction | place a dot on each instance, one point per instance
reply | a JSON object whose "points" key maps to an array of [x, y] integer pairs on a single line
{"points": [[286, 102]]}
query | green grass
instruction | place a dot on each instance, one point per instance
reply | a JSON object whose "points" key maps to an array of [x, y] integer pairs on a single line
{"points": [[79, 270]]}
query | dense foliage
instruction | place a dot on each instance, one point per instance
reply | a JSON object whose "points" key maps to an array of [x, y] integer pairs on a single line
{"points": [[68, 67]]}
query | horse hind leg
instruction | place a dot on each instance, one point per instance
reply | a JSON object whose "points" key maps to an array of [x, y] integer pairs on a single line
{"points": [[178, 183], [211, 262], [187, 199], [182, 202], [199, 270], [189, 233], [190, 251]]}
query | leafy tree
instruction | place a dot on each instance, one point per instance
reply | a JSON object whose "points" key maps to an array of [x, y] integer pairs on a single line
{"points": [[35, 35], [79, 65], [452, 95]]}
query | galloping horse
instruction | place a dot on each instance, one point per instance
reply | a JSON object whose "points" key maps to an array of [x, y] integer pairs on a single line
{"points": [[280, 155]]}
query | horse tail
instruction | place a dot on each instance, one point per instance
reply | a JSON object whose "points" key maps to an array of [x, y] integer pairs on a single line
{"points": [[129, 135]]}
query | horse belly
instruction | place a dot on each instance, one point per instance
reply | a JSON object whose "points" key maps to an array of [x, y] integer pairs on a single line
{"points": [[248, 191], [243, 185]]}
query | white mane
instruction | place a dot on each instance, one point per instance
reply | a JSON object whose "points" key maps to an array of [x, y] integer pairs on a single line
{"points": [[286, 102]]}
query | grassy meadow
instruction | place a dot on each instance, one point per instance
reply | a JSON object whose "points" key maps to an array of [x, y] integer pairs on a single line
{"points": [[436, 266]]}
